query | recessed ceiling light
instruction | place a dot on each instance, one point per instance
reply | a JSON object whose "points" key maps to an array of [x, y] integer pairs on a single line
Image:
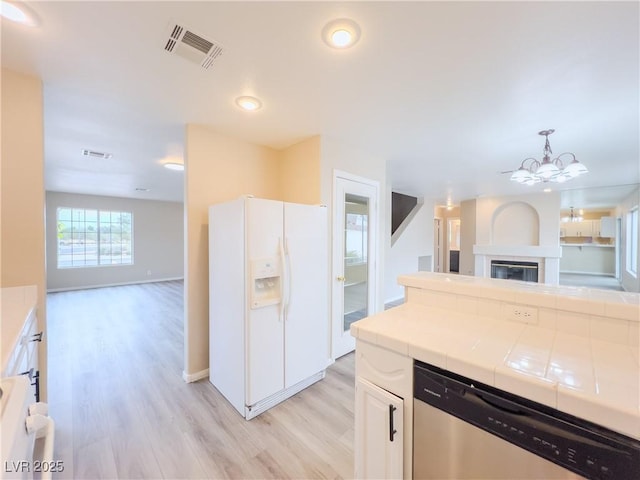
{"points": [[547, 190], [341, 33], [139, 189], [18, 12], [174, 166], [250, 104]]}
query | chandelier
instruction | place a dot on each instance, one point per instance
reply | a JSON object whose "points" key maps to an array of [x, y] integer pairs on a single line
{"points": [[533, 171], [572, 217]]}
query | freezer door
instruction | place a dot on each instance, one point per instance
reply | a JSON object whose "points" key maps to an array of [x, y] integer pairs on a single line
{"points": [[265, 328], [227, 301], [307, 322]]}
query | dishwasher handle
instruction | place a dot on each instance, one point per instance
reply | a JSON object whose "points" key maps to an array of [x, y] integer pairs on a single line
{"points": [[494, 402]]}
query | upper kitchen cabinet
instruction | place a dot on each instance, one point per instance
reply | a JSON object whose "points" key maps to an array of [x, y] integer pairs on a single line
{"points": [[597, 224], [577, 229], [607, 227]]}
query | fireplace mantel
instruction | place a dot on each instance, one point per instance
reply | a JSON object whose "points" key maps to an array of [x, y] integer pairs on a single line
{"points": [[518, 251], [547, 257]]}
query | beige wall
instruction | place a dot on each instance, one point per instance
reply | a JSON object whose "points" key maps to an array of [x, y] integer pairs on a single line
{"points": [[218, 168], [158, 246], [22, 193], [300, 172]]}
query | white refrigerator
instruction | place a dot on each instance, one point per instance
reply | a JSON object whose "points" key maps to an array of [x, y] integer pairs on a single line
{"points": [[269, 323]]}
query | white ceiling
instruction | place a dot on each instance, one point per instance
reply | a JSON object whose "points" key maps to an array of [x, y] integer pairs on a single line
{"points": [[449, 93]]}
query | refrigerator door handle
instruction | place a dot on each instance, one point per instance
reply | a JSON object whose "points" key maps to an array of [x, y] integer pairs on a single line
{"points": [[282, 260], [288, 276]]}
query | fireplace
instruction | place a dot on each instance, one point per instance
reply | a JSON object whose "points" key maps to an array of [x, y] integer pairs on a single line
{"points": [[512, 270]]}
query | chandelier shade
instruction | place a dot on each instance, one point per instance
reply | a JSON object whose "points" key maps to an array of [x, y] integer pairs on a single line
{"points": [[533, 171]]}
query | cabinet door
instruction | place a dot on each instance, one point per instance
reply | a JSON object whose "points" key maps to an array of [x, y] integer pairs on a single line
{"points": [[378, 432], [608, 227], [590, 228], [572, 229], [579, 229]]}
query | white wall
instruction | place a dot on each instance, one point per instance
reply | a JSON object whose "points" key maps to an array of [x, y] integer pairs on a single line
{"points": [[336, 155], [547, 206], [157, 236], [629, 282], [467, 237], [415, 241]]}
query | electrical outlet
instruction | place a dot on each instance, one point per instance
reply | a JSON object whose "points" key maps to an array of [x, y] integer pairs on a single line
{"points": [[148, 272], [522, 314]]}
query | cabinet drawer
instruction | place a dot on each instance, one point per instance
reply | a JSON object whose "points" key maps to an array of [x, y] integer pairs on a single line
{"points": [[389, 370], [25, 353]]}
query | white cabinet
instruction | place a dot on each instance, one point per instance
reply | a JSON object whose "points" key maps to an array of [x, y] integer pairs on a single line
{"points": [[379, 432], [578, 229], [604, 227], [20, 336], [607, 227], [384, 394]]}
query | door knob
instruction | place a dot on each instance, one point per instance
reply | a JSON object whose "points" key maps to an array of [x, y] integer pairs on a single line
{"points": [[340, 278]]}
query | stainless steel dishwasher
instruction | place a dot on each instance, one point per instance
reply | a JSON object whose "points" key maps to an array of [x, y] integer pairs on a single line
{"points": [[466, 430]]}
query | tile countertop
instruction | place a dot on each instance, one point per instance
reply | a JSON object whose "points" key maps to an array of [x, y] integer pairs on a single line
{"points": [[586, 375], [597, 245], [16, 304]]}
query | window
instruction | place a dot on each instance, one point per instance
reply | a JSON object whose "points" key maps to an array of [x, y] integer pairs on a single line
{"points": [[632, 241], [89, 238]]}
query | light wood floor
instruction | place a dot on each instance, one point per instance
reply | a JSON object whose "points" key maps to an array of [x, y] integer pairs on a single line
{"points": [[122, 409]]}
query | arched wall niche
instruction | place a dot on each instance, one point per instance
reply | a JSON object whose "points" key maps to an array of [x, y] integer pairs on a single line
{"points": [[515, 223]]}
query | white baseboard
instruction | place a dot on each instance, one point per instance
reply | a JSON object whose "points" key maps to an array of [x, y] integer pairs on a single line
{"points": [[88, 287], [194, 377], [401, 297]]}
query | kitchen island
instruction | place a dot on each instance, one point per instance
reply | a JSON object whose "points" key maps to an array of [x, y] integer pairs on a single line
{"points": [[569, 348]]}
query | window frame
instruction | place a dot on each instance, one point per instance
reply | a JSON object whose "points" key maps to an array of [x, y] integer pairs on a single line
{"points": [[632, 242], [82, 227]]}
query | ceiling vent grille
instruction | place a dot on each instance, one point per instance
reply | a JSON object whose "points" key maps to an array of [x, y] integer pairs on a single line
{"points": [[94, 154], [192, 46]]}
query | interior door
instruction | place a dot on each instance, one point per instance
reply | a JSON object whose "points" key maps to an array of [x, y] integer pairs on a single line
{"points": [[453, 245], [355, 230]]}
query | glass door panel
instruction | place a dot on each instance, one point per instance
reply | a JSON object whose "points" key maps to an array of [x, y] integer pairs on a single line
{"points": [[356, 259]]}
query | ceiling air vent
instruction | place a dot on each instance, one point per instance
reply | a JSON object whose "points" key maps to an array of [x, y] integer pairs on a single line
{"points": [[93, 153], [191, 46]]}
